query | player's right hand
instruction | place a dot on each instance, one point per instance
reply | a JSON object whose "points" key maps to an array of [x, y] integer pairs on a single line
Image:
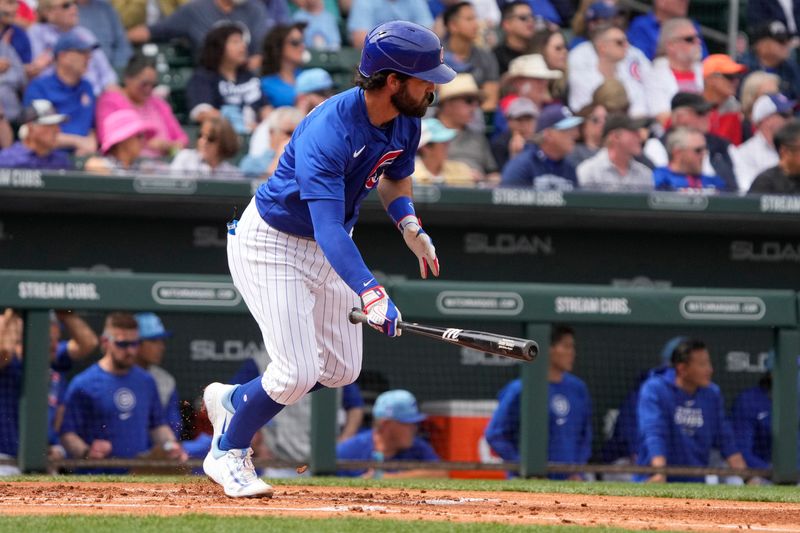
{"points": [[381, 311]]}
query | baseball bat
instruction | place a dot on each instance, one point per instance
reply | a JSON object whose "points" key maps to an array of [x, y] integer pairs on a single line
{"points": [[513, 347]]}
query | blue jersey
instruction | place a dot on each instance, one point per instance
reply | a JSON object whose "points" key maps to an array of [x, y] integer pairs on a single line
{"points": [[570, 422], [120, 409], [680, 426], [360, 448], [667, 180], [10, 388], [75, 101], [336, 154], [751, 417]]}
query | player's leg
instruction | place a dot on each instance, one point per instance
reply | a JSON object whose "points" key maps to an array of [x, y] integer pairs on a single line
{"points": [[340, 341], [266, 266]]}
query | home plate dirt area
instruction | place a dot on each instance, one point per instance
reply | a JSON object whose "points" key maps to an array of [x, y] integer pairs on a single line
{"points": [[203, 497]]}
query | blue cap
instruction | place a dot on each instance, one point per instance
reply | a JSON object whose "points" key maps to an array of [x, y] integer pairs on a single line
{"points": [[669, 347], [71, 40], [557, 117], [313, 80], [150, 327], [600, 11], [405, 47], [399, 405]]}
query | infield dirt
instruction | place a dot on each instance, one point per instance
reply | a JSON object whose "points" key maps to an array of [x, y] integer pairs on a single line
{"points": [[163, 499]]}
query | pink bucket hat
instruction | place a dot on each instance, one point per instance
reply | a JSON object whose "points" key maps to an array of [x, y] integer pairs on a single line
{"points": [[121, 125]]}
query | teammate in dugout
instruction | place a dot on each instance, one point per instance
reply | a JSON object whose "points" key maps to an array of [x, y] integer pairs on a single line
{"points": [[681, 415], [570, 410], [292, 256]]}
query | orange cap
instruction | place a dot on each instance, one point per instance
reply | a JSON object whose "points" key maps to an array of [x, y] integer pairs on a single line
{"points": [[721, 64]]}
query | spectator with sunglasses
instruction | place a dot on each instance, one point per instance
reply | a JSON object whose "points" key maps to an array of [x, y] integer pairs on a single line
{"points": [[611, 46], [770, 51], [222, 85], [783, 178], [691, 110], [757, 154], [721, 77], [140, 77], [684, 172], [677, 68], [284, 52], [518, 27], [59, 18], [644, 30], [112, 409], [216, 144]]}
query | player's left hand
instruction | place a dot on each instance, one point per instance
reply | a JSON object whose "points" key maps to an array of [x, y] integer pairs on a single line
{"points": [[421, 244]]}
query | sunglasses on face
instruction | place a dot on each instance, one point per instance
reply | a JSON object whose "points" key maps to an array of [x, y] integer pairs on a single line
{"points": [[124, 345], [294, 42], [147, 84], [698, 149], [65, 5], [523, 18], [688, 39], [209, 137], [596, 120], [729, 77], [471, 100]]}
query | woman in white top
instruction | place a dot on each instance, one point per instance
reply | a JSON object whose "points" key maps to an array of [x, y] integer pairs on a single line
{"points": [[216, 144]]}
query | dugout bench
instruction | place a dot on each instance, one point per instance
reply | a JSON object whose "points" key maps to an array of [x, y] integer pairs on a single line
{"points": [[533, 307]]}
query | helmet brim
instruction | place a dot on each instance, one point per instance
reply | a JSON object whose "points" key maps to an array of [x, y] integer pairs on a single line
{"points": [[440, 74]]}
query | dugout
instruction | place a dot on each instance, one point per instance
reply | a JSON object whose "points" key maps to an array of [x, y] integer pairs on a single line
{"points": [[512, 308]]}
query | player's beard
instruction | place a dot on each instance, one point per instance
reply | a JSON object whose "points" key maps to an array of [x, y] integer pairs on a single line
{"points": [[403, 102]]}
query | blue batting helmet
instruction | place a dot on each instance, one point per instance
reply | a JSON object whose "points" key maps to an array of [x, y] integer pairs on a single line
{"points": [[407, 48]]}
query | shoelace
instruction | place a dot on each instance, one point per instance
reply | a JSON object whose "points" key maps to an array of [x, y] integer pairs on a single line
{"points": [[244, 466]]}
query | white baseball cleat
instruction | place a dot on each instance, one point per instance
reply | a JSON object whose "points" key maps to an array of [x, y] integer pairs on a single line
{"points": [[233, 469]]}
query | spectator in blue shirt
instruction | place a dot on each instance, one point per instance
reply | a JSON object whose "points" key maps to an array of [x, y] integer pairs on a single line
{"points": [[644, 30], [112, 409], [686, 148], [771, 51], [322, 29], [366, 14], [38, 140], [681, 415], [570, 408], [70, 93], [393, 437], [751, 417], [544, 164]]}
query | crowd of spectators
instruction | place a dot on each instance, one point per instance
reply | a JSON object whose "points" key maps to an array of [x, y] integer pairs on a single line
{"points": [[522, 64]]}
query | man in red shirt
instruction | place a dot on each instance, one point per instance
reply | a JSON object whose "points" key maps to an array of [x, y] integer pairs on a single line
{"points": [[721, 76]]}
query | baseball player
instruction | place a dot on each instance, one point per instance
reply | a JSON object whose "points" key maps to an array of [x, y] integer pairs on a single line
{"points": [[292, 256]]}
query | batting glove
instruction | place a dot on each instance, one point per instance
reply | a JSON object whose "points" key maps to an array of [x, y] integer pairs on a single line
{"points": [[421, 244], [381, 311]]}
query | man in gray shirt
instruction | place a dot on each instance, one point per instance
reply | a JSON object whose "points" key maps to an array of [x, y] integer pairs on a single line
{"points": [[613, 168], [194, 20]]}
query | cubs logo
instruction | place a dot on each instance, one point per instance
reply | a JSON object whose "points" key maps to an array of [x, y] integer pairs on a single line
{"points": [[377, 171], [125, 402], [559, 404]]}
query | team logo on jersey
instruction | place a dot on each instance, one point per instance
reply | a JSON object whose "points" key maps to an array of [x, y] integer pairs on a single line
{"points": [[559, 404], [125, 401], [377, 171]]}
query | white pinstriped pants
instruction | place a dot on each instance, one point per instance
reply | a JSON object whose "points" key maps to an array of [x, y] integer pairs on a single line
{"points": [[300, 304]]}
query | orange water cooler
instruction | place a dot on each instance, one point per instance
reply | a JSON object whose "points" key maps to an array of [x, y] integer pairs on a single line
{"points": [[456, 431]]}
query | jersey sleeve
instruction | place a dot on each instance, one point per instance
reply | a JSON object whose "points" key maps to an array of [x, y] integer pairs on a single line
{"points": [[502, 433], [77, 412], [585, 448], [423, 451], [743, 422], [155, 416], [652, 420]]}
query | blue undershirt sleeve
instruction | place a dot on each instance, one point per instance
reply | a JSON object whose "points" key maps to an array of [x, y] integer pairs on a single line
{"points": [[327, 216]]}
